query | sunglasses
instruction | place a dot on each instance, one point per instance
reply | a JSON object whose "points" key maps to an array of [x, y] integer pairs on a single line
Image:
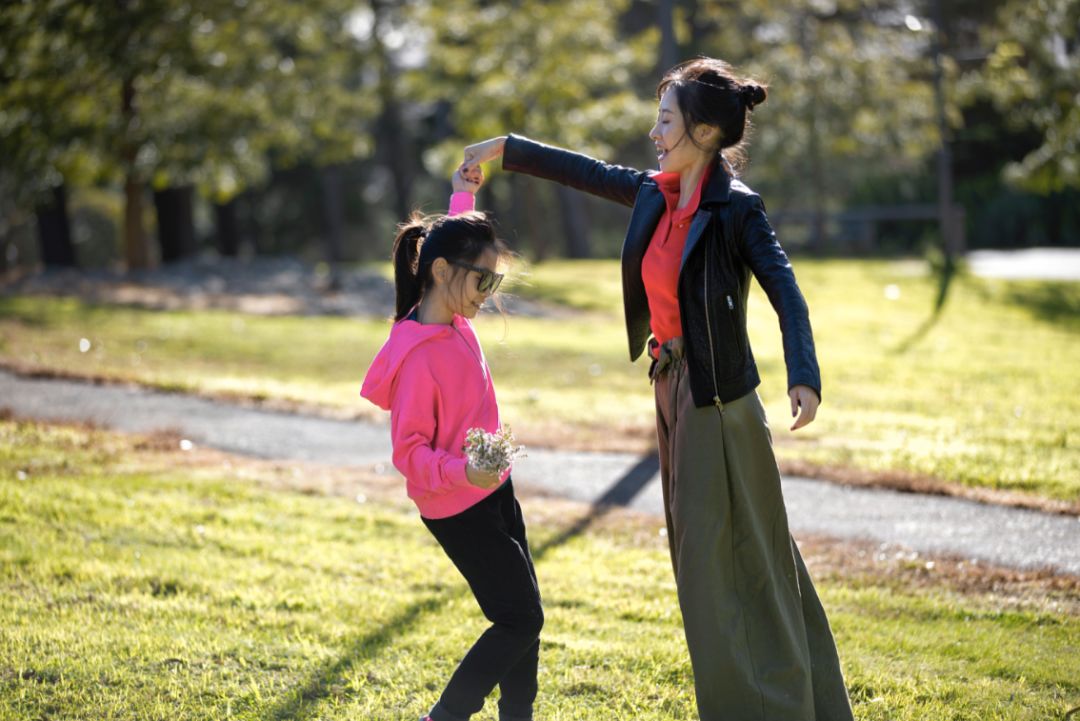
{"points": [[489, 279]]}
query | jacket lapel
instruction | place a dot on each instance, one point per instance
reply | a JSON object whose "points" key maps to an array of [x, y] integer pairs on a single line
{"points": [[648, 208], [717, 192], [647, 211], [697, 228]]}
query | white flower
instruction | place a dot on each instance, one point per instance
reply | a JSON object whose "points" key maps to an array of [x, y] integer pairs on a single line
{"points": [[492, 452]]}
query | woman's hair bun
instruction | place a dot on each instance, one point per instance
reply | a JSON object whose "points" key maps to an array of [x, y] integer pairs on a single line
{"points": [[752, 94]]}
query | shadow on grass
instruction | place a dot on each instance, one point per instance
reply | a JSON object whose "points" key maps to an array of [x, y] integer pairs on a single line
{"points": [[946, 274], [1052, 302], [303, 703], [621, 493]]}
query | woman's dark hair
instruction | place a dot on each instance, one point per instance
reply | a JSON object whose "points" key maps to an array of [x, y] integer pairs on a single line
{"points": [[423, 239], [709, 92]]}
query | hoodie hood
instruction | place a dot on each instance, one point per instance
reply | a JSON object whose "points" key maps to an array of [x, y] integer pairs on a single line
{"points": [[405, 336]]}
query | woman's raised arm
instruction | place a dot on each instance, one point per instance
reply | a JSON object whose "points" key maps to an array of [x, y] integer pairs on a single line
{"points": [[521, 155]]}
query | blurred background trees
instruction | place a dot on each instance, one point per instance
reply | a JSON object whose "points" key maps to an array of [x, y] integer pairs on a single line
{"points": [[146, 131]]}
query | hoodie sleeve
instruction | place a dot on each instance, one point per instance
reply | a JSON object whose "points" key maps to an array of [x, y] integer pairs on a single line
{"points": [[461, 202], [413, 413]]}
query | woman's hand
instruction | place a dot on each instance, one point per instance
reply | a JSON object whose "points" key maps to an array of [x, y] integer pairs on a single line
{"points": [[485, 151], [803, 397], [481, 479], [466, 179]]}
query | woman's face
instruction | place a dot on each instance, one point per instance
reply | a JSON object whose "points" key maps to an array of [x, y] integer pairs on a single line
{"points": [[464, 297], [675, 151]]}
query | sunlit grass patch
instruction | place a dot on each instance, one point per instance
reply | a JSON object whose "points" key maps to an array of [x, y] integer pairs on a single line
{"points": [[134, 586], [981, 395]]}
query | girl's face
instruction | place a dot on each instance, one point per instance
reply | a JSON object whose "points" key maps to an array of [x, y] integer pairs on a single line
{"points": [[464, 296], [675, 151]]}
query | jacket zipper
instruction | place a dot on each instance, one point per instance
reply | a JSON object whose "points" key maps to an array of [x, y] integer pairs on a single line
{"points": [[708, 328], [734, 324]]}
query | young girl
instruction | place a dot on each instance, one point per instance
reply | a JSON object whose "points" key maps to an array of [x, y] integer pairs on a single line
{"points": [[432, 377]]}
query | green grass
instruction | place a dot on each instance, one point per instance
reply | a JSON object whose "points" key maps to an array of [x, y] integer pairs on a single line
{"points": [[133, 586], [983, 395]]}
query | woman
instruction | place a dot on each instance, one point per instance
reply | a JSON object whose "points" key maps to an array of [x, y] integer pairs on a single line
{"points": [[759, 640]]}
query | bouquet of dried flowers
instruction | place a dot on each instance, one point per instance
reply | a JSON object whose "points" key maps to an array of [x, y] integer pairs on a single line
{"points": [[492, 452]]}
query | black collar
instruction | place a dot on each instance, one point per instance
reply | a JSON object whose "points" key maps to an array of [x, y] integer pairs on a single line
{"points": [[719, 188]]}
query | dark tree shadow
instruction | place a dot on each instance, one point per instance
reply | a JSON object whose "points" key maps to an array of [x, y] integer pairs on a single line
{"points": [[303, 702], [621, 493], [945, 274], [1057, 303]]}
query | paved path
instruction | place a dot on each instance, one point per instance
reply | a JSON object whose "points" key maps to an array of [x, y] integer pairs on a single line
{"points": [[932, 524], [1033, 263]]}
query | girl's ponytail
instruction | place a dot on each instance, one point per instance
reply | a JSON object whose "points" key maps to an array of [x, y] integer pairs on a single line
{"points": [[407, 282]]}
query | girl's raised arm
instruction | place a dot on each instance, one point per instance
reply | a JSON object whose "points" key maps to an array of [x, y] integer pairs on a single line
{"points": [[465, 182]]}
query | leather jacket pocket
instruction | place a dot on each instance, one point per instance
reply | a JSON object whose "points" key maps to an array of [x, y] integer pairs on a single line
{"points": [[728, 330]]}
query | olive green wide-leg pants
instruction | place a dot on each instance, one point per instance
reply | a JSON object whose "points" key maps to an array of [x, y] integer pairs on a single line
{"points": [[759, 641]]}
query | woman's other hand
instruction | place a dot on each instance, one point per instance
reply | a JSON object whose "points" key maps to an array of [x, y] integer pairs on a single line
{"points": [[466, 179], [481, 479], [485, 151], [805, 398]]}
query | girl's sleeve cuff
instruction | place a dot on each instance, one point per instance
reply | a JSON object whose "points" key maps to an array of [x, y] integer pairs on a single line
{"points": [[462, 202], [455, 471]]}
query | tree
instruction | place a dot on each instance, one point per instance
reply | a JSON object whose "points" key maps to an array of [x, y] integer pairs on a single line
{"points": [[557, 70], [849, 97], [179, 94], [49, 131], [1033, 78]]}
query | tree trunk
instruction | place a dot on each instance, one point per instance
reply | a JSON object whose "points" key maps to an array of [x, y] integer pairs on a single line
{"points": [[392, 135], [261, 238], [669, 46], [136, 252], [175, 221], [704, 20], [227, 235], [575, 222], [816, 169], [393, 139], [528, 214], [54, 231], [949, 237], [1055, 218], [334, 215]]}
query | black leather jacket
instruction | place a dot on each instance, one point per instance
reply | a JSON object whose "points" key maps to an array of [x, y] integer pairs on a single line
{"points": [[729, 239]]}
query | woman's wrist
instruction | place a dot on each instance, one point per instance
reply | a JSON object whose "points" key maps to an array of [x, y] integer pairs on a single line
{"points": [[485, 151]]}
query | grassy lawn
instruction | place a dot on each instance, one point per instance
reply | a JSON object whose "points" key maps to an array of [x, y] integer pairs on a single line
{"points": [[983, 395], [140, 582]]}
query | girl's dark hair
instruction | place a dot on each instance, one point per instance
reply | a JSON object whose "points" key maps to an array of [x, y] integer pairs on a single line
{"points": [[709, 92], [423, 239]]}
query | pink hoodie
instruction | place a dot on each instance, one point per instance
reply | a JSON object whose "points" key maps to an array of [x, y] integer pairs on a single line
{"points": [[436, 384]]}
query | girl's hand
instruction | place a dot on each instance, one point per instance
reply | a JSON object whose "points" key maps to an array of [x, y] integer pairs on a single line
{"points": [[467, 180], [803, 397], [481, 479], [485, 151]]}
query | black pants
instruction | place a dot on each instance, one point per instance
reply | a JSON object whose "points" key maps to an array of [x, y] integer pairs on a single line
{"points": [[487, 544]]}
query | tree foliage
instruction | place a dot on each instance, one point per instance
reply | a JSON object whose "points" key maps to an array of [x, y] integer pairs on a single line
{"points": [[220, 94], [1033, 77], [558, 71]]}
